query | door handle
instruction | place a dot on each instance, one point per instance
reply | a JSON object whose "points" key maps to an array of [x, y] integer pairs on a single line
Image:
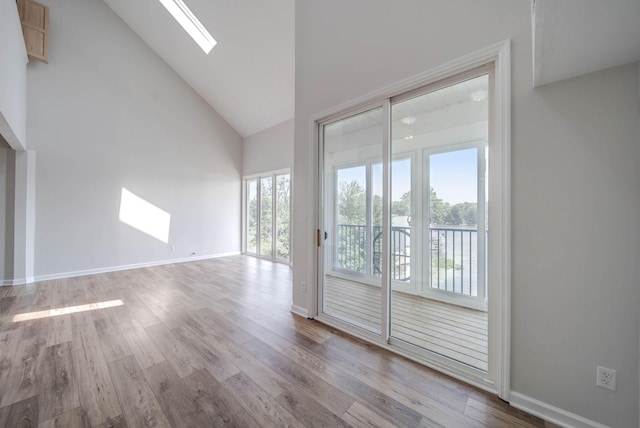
{"points": [[318, 237]]}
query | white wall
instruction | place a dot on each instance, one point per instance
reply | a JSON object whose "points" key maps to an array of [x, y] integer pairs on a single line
{"points": [[574, 188], [106, 113], [13, 77], [269, 150], [576, 292]]}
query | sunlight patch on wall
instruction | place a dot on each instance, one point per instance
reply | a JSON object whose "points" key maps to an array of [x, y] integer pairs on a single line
{"points": [[144, 216], [66, 310]]}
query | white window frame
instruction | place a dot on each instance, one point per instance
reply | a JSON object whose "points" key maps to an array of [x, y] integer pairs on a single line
{"points": [[245, 211]]}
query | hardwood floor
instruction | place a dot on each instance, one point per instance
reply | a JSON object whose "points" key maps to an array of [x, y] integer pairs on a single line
{"points": [[208, 343]]}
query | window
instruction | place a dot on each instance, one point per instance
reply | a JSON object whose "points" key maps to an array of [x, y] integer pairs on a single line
{"points": [[267, 210]]}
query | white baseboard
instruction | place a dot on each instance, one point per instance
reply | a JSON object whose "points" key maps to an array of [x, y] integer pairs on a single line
{"points": [[18, 281], [132, 266], [551, 413], [299, 310]]}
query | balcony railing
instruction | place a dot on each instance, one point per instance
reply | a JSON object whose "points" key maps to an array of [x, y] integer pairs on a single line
{"points": [[453, 255]]}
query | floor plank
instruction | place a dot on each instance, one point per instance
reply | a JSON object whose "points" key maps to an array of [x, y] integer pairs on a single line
{"points": [[9, 340], [74, 418], [216, 400], [264, 409], [23, 414], [59, 391], [180, 405], [183, 361], [360, 416], [309, 411], [95, 389], [141, 345], [330, 396], [111, 339], [25, 377], [139, 404]]}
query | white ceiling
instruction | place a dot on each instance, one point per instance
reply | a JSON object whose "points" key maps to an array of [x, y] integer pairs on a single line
{"points": [[575, 37], [248, 77]]}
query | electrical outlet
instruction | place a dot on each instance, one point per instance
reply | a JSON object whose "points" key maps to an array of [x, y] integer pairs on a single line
{"points": [[303, 286], [606, 378]]}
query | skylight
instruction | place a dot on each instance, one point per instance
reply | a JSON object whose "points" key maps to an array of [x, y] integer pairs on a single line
{"points": [[190, 23]]}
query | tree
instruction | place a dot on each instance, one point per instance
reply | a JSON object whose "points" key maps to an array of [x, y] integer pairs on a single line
{"points": [[283, 198], [455, 215], [352, 203], [252, 220], [403, 206], [377, 210], [266, 218], [439, 209], [352, 218]]}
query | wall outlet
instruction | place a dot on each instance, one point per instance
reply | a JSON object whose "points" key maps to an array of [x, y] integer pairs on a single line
{"points": [[303, 286], [606, 378]]}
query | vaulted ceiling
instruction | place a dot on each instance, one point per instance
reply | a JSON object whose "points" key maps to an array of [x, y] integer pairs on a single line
{"points": [[248, 77]]}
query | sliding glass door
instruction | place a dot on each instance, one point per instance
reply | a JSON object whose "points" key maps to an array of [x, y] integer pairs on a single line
{"points": [[403, 232], [266, 215]]}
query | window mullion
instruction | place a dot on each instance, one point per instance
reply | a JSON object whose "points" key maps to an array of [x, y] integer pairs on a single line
{"points": [[386, 221]]}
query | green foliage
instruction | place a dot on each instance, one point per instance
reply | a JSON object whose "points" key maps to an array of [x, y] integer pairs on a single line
{"points": [[352, 203], [283, 204], [252, 216], [403, 206], [445, 214], [439, 209], [352, 210], [377, 210], [443, 263], [266, 219]]}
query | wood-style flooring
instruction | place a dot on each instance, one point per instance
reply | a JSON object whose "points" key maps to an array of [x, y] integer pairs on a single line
{"points": [[205, 344], [452, 331]]}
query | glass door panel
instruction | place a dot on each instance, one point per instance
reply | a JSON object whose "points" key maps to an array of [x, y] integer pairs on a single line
{"points": [[283, 184], [439, 307], [266, 217], [352, 219], [252, 216]]}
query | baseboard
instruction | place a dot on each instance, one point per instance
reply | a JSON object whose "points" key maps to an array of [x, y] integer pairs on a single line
{"points": [[299, 310], [19, 281], [551, 413], [132, 266]]}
